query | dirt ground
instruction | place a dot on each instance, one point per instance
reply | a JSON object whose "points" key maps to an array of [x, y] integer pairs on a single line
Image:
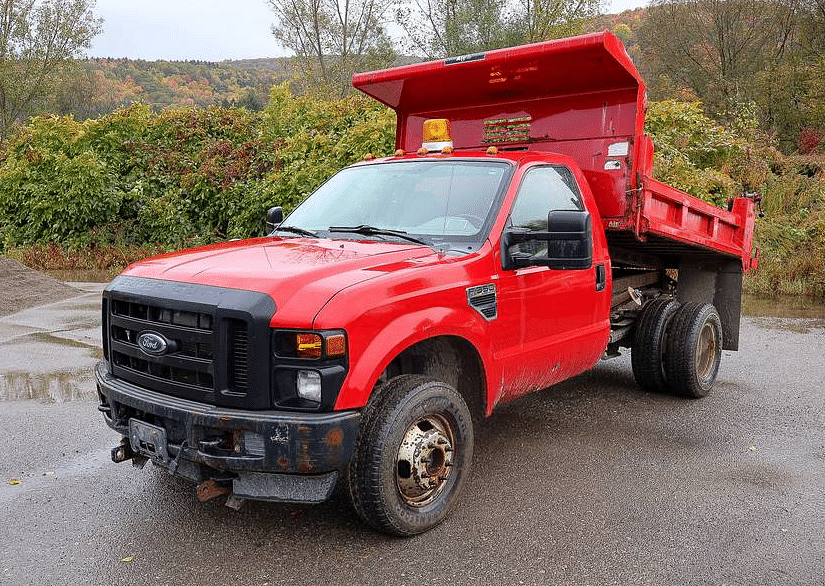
{"points": [[22, 287]]}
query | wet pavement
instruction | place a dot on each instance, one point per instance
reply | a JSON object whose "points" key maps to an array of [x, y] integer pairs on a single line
{"points": [[590, 482]]}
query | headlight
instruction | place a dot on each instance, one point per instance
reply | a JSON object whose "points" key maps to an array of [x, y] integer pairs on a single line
{"points": [[309, 385]]}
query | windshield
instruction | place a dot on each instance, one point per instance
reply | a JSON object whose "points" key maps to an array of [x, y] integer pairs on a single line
{"points": [[439, 202]]}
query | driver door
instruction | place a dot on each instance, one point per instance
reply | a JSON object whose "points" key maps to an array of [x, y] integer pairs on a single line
{"points": [[547, 323]]}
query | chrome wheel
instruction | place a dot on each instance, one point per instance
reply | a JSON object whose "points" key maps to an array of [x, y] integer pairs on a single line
{"points": [[413, 455], [425, 459]]}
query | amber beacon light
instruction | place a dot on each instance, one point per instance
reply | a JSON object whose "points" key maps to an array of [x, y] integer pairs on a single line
{"points": [[437, 134]]}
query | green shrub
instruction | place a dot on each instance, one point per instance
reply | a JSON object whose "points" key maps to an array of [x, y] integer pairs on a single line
{"points": [[692, 152], [136, 180], [181, 177]]}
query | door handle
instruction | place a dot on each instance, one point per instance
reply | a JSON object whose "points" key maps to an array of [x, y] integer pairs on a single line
{"points": [[601, 278]]}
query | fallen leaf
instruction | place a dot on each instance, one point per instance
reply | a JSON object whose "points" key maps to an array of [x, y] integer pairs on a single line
{"points": [[128, 559], [14, 481]]}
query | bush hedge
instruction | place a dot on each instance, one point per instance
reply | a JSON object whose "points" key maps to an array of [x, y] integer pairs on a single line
{"points": [[180, 177], [138, 180]]}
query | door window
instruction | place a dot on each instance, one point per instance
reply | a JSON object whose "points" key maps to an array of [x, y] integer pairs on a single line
{"points": [[542, 190]]}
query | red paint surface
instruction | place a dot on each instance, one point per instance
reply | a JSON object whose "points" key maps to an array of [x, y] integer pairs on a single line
{"points": [[582, 95]]}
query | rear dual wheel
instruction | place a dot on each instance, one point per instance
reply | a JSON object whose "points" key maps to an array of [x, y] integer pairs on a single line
{"points": [[650, 343], [677, 349], [694, 349]]}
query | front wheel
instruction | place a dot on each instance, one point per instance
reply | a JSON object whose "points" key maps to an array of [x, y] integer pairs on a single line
{"points": [[413, 455]]}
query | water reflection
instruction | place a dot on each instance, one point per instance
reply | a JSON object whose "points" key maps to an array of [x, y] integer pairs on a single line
{"points": [[788, 306], [49, 338], [55, 387]]}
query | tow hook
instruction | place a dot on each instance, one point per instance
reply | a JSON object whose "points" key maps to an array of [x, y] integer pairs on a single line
{"points": [[124, 452], [211, 489], [217, 487]]}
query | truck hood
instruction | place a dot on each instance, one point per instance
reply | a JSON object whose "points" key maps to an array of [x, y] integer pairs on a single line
{"points": [[299, 274]]}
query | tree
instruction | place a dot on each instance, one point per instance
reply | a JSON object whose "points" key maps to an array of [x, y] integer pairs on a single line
{"points": [[441, 28], [540, 20], [38, 39], [716, 47], [332, 39]]}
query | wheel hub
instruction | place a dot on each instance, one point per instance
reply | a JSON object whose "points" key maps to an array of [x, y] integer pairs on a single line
{"points": [[706, 351], [425, 458]]}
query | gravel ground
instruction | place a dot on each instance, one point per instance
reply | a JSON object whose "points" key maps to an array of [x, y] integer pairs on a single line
{"points": [[23, 288]]}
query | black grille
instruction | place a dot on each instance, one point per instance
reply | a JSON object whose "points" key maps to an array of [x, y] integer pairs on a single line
{"points": [[162, 315], [238, 366], [179, 375], [189, 360], [200, 342]]}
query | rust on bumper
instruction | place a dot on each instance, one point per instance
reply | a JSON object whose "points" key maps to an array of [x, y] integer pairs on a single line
{"points": [[231, 441]]}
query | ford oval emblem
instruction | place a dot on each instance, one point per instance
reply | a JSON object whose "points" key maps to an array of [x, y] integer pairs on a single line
{"points": [[152, 343]]}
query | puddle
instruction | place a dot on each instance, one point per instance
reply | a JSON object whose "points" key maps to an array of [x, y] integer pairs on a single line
{"points": [[787, 306], [56, 387], [48, 338], [787, 313], [85, 465]]}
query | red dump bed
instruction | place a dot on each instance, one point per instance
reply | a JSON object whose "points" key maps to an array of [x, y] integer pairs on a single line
{"points": [[581, 97]]}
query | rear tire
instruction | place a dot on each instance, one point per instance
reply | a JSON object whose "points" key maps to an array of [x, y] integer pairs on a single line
{"points": [[694, 350], [649, 344], [413, 455]]}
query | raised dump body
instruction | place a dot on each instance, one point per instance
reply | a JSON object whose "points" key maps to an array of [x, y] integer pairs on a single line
{"points": [[581, 97]]}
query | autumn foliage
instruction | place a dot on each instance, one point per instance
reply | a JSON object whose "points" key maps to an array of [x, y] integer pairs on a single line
{"points": [[179, 177]]}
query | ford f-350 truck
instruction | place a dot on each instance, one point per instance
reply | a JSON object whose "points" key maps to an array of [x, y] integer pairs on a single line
{"points": [[515, 238]]}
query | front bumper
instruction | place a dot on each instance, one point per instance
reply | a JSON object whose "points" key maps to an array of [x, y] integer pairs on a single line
{"points": [[267, 455]]}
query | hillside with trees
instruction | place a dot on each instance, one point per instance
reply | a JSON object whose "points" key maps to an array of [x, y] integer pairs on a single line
{"points": [[96, 87]]}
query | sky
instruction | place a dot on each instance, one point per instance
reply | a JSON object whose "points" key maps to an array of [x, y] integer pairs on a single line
{"points": [[204, 30]]}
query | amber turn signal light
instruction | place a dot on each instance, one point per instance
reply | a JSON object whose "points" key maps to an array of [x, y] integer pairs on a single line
{"points": [[308, 345]]}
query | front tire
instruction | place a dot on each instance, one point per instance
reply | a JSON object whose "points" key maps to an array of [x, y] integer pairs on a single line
{"points": [[694, 349], [413, 455]]}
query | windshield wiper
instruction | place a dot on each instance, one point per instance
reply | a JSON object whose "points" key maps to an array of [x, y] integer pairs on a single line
{"points": [[296, 230], [367, 230]]}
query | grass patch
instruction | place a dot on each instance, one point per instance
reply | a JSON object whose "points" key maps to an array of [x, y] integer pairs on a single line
{"points": [[791, 236], [108, 260]]}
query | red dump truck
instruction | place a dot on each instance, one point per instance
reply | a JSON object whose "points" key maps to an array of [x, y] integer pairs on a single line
{"points": [[515, 238]]}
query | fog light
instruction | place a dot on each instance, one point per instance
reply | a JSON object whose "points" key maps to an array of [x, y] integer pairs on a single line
{"points": [[309, 385]]}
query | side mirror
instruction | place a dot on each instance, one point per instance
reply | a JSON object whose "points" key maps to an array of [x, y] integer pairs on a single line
{"points": [[567, 244], [273, 218]]}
